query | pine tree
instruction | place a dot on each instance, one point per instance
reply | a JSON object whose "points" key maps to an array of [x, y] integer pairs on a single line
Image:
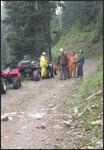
{"points": [[30, 22]]}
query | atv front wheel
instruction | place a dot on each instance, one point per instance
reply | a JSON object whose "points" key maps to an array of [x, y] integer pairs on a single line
{"points": [[36, 75], [16, 83], [20, 84], [3, 87]]}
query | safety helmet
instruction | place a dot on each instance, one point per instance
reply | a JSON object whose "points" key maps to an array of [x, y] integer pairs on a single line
{"points": [[80, 51], [61, 50], [43, 53]]}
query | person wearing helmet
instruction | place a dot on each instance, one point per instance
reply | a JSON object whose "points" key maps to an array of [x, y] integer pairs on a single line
{"points": [[80, 62], [62, 63], [43, 65], [61, 50]]}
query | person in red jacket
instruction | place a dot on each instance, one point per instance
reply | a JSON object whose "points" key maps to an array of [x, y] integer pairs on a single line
{"points": [[19, 65], [55, 69]]}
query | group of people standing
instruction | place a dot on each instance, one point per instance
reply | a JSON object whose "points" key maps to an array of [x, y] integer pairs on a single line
{"points": [[70, 65]]}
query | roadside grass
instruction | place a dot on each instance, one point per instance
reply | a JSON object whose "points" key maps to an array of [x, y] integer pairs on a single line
{"points": [[91, 84], [91, 109], [87, 142], [83, 89]]}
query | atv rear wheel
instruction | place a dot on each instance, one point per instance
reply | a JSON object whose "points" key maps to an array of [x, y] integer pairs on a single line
{"points": [[36, 75], [49, 73], [3, 87], [20, 84], [16, 83]]}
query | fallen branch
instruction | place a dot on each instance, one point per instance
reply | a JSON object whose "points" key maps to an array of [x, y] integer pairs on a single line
{"points": [[95, 94]]}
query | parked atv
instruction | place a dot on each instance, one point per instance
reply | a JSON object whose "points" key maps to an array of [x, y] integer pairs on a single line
{"points": [[12, 77], [29, 69]]}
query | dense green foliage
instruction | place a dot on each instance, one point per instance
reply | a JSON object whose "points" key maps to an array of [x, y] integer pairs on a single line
{"points": [[87, 87], [89, 38], [5, 48], [81, 13], [55, 29], [30, 22]]}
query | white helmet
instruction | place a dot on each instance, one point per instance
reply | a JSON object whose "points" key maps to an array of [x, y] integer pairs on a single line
{"points": [[61, 50], [80, 51], [43, 53]]}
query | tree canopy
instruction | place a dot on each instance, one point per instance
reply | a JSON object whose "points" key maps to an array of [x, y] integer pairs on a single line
{"points": [[80, 13], [30, 24]]}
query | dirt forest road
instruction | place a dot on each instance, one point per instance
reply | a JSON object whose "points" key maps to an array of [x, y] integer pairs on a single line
{"points": [[34, 120]]}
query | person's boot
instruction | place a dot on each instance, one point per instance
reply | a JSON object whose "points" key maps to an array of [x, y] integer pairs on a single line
{"points": [[65, 77], [81, 78], [61, 78]]}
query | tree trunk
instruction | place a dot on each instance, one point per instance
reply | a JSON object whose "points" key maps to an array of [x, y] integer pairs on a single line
{"points": [[50, 55]]}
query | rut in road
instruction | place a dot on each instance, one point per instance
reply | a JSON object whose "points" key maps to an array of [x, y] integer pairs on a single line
{"points": [[36, 122]]}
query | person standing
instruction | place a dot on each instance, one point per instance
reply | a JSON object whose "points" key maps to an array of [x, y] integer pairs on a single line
{"points": [[80, 62], [43, 65], [73, 64], [76, 57], [76, 54], [62, 63], [68, 64]]}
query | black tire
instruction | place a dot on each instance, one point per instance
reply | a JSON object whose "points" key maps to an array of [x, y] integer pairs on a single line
{"points": [[20, 84], [3, 87], [50, 73], [16, 83], [36, 75], [55, 72]]}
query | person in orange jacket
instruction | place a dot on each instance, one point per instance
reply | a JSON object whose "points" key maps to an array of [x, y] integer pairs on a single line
{"points": [[74, 64], [76, 54], [54, 69], [69, 65]]}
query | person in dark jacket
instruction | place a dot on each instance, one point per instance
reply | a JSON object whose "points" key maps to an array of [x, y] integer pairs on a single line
{"points": [[62, 63], [80, 62]]}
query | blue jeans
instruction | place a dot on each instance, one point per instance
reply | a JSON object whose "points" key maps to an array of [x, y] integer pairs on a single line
{"points": [[79, 70], [63, 72]]}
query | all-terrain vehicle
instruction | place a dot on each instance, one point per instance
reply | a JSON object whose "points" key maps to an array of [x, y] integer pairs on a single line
{"points": [[11, 76], [31, 69]]}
